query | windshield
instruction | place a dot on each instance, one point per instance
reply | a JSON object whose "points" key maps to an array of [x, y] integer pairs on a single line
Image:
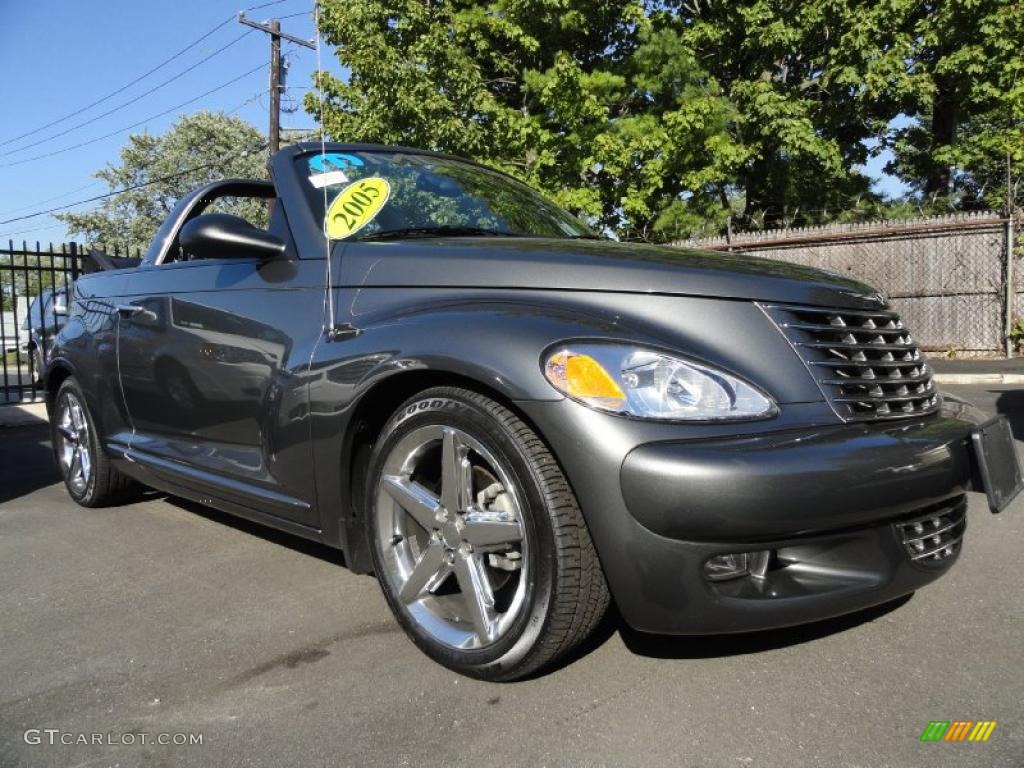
{"points": [[380, 194]]}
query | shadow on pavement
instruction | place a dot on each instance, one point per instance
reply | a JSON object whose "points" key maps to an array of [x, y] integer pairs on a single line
{"points": [[26, 465], [26, 461], [639, 643], [289, 540], [716, 646], [1010, 403]]}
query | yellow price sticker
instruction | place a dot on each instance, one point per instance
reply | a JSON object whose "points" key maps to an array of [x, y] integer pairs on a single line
{"points": [[356, 206]]}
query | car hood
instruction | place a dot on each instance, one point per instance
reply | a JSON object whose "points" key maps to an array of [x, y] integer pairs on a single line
{"points": [[584, 265]]}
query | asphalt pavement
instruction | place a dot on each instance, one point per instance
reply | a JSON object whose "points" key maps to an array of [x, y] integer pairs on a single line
{"points": [[165, 617]]}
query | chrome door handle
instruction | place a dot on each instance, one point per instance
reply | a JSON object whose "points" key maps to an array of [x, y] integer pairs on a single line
{"points": [[129, 310]]}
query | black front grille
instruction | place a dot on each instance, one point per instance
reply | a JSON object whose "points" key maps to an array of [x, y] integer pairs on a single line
{"points": [[865, 361], [933, 536]]}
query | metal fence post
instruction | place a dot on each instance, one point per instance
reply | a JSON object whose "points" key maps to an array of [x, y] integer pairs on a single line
{"points": [[26, 276], [1011, 293]]}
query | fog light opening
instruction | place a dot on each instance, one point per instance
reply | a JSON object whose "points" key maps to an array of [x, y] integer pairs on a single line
{"points": [[735, 565]]}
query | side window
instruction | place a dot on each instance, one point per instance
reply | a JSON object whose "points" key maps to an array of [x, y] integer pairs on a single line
{"points": [[252, 209]]}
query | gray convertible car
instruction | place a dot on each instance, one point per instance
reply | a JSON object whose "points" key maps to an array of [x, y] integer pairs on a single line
{"points": [[511, 420]]}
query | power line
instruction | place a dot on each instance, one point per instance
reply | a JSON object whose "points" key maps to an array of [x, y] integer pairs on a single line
{"points": [[78, 126], [26, 231], [141, 77], [116, 192], [276, 36], [105, 195], [123, 88], [94, 183], [265, 5], [133, 125], [31, 205], [248, 101]]}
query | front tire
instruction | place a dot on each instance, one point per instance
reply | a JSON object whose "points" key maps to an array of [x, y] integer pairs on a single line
{"points": [[478, 541], [88, 475]]}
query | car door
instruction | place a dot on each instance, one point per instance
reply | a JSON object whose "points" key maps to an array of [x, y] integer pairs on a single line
{"points": [[211, 357]]}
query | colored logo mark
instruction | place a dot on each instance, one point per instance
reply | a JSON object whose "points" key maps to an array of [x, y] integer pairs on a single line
{"points": [[958, 730], [334, 161]]}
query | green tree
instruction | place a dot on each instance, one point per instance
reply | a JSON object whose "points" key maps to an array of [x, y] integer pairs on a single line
{"points": [[965, 95], [216, 145], [591, 102], [660, 119], [809, 84], [655, 120]]}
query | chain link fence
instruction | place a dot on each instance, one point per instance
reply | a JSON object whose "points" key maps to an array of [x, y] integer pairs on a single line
{"points": [[945, 275]]}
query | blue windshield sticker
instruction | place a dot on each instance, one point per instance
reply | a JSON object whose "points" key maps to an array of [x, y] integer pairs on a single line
{"points": [[333, 161]]}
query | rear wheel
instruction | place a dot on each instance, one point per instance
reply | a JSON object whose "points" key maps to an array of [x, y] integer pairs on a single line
{"points": [[477, 539], [90, 478]]}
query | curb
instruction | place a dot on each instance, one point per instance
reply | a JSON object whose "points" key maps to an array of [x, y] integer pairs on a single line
{"points": [[978, 378]]}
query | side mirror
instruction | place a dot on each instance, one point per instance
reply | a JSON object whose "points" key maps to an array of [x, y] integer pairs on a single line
{"points": [[223, 236]]}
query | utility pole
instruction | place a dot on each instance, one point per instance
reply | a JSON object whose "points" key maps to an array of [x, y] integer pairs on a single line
{"points": [[275, 86], [274, 30]]}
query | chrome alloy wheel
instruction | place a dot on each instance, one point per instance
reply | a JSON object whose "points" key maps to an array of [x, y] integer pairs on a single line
{"points": [[73, 444], [451, 532]]}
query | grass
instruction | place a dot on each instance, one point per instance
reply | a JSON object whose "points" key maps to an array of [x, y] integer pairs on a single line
{"points": [[12, 359]]}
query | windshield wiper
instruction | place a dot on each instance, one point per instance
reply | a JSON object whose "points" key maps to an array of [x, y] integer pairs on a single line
{"points": [[439, 231]]}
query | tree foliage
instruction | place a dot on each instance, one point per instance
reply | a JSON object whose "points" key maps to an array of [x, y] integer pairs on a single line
{"points": [[965, 92], [197, 149], [658, 119]]}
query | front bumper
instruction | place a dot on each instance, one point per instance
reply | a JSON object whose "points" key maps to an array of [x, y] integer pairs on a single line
{"points": [[825, 499]]}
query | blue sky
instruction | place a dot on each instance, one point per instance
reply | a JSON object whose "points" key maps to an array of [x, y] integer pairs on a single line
{"points": [[884, 184], [62, 55]]}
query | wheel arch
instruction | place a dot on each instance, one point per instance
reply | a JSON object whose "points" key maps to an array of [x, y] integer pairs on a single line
{"points": [[56, 374], [371, 412]]}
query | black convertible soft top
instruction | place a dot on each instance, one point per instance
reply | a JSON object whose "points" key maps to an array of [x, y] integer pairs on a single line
{"points": [[102, 262]]}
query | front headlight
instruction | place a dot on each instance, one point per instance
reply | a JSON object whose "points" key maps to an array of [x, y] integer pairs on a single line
{"points": [[652, 385]]}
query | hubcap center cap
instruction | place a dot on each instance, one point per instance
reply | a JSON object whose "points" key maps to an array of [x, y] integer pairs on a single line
{"points": [[451, 534]]}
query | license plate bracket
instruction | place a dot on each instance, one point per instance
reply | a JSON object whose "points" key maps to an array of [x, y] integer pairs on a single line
{"points": [[997, 461]]}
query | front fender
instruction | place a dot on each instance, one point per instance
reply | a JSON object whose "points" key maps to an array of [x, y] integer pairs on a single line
{"points": [[502, 333], [86, 347], [498, 343], [401, 341], [497, 338]]}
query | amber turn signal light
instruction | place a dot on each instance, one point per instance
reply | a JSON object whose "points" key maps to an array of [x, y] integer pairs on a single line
{"points": [[583, 378]]}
